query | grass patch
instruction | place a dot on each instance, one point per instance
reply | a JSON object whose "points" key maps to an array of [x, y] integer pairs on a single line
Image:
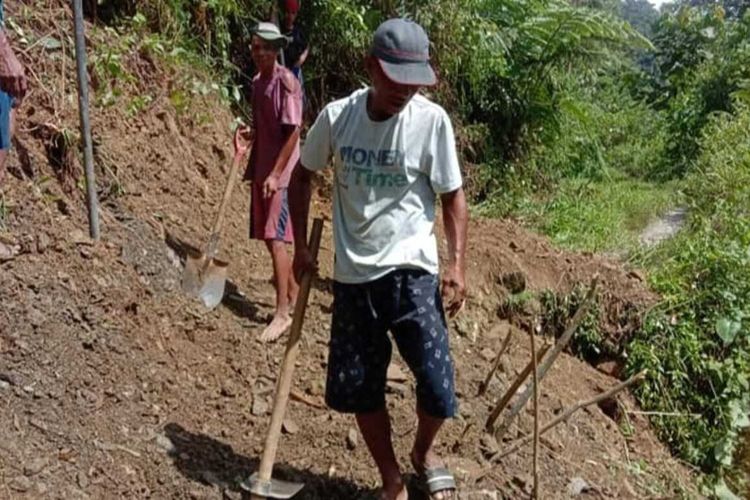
{"points": [[599, 216]]}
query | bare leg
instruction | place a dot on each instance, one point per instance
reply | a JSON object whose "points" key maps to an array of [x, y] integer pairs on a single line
{"points": [[293, 288], [376, 431], [282, 266], [422, 455]]}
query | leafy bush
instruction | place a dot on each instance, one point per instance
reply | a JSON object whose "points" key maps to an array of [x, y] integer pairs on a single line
{"points": [[587, 341], [696, 344], [703, 63]]}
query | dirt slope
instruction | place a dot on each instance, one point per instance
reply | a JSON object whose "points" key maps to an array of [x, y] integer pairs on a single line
{"points": [[113, 385]]}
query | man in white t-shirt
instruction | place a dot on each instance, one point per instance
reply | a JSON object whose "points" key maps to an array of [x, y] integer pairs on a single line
{"points": [[393, 153]]}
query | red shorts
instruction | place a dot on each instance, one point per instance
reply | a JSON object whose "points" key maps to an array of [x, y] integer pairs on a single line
{"points": [[269, 217]]}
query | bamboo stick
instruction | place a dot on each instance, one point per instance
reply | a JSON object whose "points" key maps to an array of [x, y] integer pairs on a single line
{"points": [[562, 342]]}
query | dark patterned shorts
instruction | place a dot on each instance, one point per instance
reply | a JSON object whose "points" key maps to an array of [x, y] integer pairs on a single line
{"points": [[407, 303]]}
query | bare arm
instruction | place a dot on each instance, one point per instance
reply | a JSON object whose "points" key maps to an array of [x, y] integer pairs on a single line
{"points": [[455, 220], [299, 208], [12, 77], [271, 185], [303, 57]]}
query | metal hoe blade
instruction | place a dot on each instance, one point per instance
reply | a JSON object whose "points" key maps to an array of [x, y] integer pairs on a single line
{"points": [[275, 488]]}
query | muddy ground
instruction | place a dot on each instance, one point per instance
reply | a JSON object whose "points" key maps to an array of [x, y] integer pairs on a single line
{"points": [[115, 385]]}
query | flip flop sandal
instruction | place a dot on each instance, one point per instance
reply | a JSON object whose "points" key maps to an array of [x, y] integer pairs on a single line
{"points": [[437, 480]]}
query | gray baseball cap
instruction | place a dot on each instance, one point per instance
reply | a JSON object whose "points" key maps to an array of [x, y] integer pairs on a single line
{"points": [[403, 51], [270, 33]]}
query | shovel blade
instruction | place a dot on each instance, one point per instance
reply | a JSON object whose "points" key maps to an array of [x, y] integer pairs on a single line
{"points": [[204, 278], [191, 276], [275, 488]]}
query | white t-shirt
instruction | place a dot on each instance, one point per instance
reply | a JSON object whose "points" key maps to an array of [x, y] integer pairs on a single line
{"points": [[387, 175]]}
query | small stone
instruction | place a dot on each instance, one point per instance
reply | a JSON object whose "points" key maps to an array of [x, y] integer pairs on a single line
{"points": [[487, 354], [577, 485], [42, 242], [317, 388], [7, 252], [488, 444], [83, 480], [228, 389], [396, 374], [79, 237], [41, 489], [9, 378], [260, 407], [35, 422], [352, 438], [397, 388], [20, 484], [35, 466], [289, 426], [500, 330], [36, 318], [165, 443]]}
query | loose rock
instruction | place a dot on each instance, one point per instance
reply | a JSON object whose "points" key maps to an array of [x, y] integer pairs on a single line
{"points": [[228, 389], [42, 242], [165, 443], [396, 374], [20, 484], [289, 426], [35, 466], [577, 485], [351, 439], [260, 407]]}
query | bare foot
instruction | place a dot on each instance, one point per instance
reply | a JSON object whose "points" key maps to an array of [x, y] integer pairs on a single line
{"points": [[430, 461], [394, 491], [276, 328]]}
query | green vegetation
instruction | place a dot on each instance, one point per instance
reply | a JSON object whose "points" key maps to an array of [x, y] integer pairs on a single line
{"points": [[695, 343], [599, 216]]}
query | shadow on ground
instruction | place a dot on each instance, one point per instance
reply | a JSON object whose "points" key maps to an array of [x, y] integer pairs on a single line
{"points": [[206, 460]]}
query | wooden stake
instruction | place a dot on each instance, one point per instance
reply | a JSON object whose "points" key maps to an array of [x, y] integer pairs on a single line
{"points": [[520, 379], [567, 413], [562, 342], [496, 364], [535, 464]]}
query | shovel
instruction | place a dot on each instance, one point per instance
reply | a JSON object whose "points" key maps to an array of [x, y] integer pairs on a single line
{"points": [[260, 484], [205, 276]]}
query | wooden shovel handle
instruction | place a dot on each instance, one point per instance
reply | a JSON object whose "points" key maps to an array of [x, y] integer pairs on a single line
{"points": [[229, 187], [284, 382]]}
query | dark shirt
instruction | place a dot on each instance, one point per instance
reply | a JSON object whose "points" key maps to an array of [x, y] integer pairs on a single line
{"points": [[296, 46]]}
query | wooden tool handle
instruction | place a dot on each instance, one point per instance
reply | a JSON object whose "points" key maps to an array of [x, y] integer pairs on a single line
{"points": [[229, 187], [284, 382]]}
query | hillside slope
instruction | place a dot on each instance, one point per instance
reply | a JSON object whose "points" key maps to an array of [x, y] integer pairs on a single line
{"points": [[114, 385]]}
